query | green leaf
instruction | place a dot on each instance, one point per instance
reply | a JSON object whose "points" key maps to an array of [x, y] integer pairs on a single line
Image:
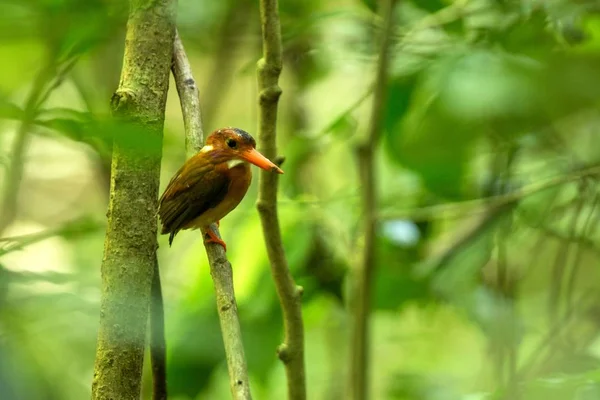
{"points": [[9, 110], [461, 98], [431, 5], [74, 27], [434, 145], [399, 92], [569, 83], [197, 349], [411, 386], [262, 335], [370, 4], [71, 123], [83, 127], [72, 129], [529, 34], [396, 284]]}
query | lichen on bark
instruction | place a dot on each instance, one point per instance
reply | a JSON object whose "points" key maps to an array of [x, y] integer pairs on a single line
{"points": [[130, 244]]}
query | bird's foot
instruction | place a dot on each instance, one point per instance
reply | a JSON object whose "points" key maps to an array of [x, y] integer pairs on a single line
{"points": [[211, 237]]}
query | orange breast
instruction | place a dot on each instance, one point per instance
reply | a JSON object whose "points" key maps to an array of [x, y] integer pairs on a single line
{"points": [[240, 178]]}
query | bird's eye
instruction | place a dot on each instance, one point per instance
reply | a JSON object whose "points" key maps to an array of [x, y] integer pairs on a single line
{"points": [[231, 143]]}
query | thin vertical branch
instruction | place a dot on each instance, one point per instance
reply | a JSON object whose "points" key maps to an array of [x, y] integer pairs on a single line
{"points": [[220, 267], [587, 231], [498, 345], [291, 351], [559, 268], [359, 365], [158, 345], [14, 172]]}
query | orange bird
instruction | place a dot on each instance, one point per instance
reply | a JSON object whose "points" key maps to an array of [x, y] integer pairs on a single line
{"points": [[211, 184]]}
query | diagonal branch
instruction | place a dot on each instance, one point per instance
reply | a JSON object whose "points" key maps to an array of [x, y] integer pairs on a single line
{"points": [[362, 285], [220, 268], [291, 352], [81, 226], [188, 97], [486, 204]]}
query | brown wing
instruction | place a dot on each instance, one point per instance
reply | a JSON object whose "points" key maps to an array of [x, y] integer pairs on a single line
{"points": [[194, 189]]}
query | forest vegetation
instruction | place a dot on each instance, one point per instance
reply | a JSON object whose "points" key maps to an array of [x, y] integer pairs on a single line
{"points": [[434, 236]]}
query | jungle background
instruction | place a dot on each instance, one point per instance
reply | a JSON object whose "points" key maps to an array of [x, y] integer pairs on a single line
{"points": [[486, 283]]}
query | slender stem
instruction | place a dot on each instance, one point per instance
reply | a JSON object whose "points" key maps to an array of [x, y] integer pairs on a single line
{"points": [[220, 268], [499, 346], [489, 221], [359, 352], [586, 231], [158, 345], [129, 262], [189, 98], [14, 174], [554, 334], [291, 351], [559, 267]]}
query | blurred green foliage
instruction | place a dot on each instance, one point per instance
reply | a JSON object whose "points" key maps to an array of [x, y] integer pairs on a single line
{"points": [[473, 299]]}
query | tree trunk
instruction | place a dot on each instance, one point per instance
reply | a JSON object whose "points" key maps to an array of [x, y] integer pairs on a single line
{"points": [[130, 244]]}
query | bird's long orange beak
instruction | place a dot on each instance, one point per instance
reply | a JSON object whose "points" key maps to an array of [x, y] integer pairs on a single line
{"points": [[259, 160]]}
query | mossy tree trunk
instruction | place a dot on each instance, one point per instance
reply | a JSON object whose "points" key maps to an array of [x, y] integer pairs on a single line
{"points": [[130, 244]]}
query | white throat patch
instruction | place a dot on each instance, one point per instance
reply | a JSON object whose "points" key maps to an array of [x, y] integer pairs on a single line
{"points": [[235, 162]]}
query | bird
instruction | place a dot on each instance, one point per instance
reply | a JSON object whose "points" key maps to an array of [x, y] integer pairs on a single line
{"points": [[210, 184]]}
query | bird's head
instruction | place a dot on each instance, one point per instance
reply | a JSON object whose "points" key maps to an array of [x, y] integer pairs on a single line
{"points": [[234, 146]]}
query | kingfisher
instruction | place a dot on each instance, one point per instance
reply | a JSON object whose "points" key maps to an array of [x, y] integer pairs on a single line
{"points": [[211, 184]]}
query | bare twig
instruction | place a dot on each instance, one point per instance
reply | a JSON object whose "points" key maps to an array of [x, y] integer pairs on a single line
{"points": [[560, 265], [554, 333], [506, 280], [189, 98], [486, 204], [497, 207], [490, 220], [547, 232], [80, 226], [359, 365], [585, 232], [220, 268], [291, 352]]}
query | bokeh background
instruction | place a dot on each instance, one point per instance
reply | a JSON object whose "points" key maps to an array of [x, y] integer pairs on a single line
{"points": [[487, 245]]}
